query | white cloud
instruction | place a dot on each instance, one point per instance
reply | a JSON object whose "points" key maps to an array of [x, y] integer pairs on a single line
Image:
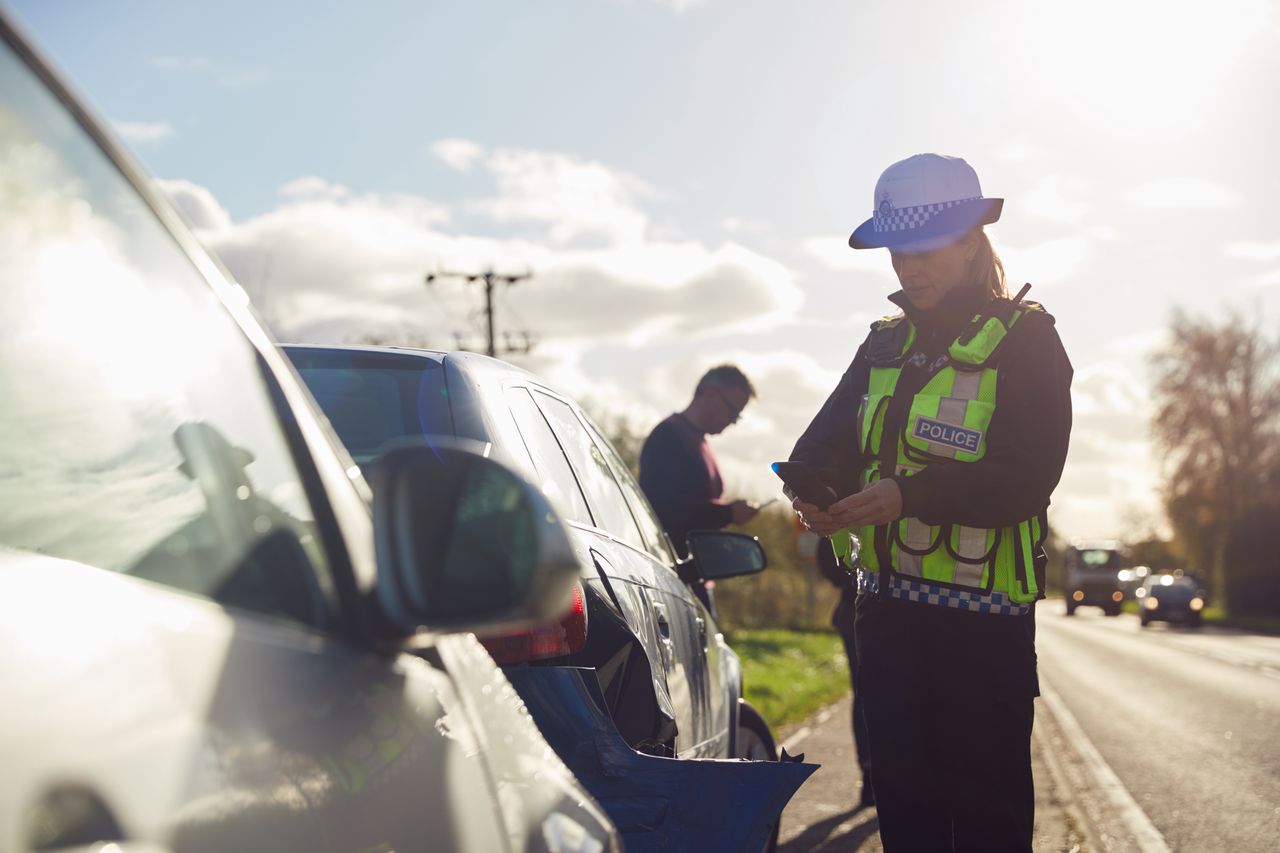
{"points": [[1111, 475], [1057, 198], [834, 253], [575, 199], [1019, 151], [459, 154], [1182, 193], [1268, 279], [143, 132], [734, 225], [1261, 252], [331, 267], [197, 206], [311, 187], [680, 6], [1048, 263]]}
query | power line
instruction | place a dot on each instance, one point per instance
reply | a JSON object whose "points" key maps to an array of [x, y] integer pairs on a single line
{"points": [[491, 280]]}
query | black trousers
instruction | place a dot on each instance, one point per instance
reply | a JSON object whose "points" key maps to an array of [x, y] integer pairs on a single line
{"points": [[948, 701]]}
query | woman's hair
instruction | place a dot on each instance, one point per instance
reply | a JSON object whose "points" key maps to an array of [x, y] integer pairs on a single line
{"points": [[988, 271]]}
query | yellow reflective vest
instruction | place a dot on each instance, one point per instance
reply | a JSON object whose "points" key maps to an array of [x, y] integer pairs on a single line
{"points": [[902, 430]]}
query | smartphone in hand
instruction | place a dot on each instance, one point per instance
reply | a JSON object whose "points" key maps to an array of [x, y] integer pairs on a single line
{"points": [[805, 484]]}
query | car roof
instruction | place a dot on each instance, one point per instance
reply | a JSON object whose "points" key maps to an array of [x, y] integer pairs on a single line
{"points": [[474, 364]]}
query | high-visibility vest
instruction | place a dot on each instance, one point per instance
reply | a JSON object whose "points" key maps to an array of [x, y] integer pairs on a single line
{"points": [[905, 429]]}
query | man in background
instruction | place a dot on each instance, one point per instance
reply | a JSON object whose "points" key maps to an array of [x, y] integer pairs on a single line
{"points": [[678, 471]]}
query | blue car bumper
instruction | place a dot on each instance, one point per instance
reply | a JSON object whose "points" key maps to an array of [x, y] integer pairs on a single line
{"points": [[658, 804]]}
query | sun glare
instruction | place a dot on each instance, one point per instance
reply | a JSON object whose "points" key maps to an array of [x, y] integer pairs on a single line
{"points": [[1138, 66]]}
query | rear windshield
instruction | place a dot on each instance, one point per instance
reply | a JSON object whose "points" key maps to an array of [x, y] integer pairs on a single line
{"points": [[374, 398]]}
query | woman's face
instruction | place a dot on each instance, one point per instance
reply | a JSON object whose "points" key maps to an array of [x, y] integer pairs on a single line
{"points": [[928, 271]]}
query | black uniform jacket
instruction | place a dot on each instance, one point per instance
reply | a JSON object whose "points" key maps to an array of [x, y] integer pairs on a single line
{"points": [[1026, 449], [1026, 440]]}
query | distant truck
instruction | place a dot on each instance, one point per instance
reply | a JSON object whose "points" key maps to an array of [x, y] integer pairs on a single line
{"points": [[1093, 576]]}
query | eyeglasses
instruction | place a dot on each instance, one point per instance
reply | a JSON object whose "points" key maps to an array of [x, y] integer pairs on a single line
{"points": [[728, 404]]}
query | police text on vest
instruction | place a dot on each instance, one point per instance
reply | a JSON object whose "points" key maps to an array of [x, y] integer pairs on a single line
{"points": [[951, 435]]}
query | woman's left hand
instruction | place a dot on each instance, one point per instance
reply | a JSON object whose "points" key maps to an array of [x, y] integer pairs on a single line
{"points": [[879, 503]]}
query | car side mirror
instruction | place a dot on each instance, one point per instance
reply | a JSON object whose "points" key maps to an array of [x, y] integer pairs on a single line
{"points": [[716, 554], [465, 544]]}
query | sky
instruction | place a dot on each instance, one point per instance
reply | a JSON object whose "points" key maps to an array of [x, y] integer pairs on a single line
{"points": [[680, 178]]}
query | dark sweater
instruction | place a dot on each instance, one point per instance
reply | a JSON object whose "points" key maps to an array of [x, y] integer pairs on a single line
{"points": [[679, 475]]}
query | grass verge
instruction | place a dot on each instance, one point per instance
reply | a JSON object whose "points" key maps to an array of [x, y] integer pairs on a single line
{"points": [[787, 675]]}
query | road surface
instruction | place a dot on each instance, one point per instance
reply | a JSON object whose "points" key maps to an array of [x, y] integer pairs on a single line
{"points": [[1187, 719], [1148, 739]]}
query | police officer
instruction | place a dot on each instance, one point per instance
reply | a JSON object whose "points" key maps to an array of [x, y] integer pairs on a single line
{"points": [[946, 435]]}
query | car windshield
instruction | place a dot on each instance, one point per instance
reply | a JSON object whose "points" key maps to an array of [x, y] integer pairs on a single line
{"points": [[375, 398]]}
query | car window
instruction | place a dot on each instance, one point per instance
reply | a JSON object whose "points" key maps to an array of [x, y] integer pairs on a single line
{"points": [[603, 494], [554, 474], [374, 398], [137, 429], [655, 538]]}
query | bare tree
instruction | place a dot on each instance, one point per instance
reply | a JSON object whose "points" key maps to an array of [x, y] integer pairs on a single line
{"points": [[1217, 395]]}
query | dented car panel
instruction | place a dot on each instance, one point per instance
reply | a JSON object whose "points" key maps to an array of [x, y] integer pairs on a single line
{"points": [[657, 804]]}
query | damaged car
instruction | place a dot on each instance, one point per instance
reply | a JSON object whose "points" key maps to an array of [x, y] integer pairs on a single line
{"points": [[636, 672]]}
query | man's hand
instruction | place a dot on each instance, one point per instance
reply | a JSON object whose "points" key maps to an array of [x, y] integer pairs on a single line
{"points": [[879, 503], [744, 511]]}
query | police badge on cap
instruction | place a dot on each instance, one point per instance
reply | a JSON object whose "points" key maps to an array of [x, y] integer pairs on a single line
{"points": [[925, 197]]}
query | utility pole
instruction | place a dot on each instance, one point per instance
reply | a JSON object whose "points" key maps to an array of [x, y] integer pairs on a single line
{"points": [[490, 279]]}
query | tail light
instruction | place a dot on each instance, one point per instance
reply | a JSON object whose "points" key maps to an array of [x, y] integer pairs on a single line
{"points": [[565, 637]]}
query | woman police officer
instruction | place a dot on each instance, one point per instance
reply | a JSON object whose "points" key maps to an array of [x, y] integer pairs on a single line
{"points": [[947, 434]]}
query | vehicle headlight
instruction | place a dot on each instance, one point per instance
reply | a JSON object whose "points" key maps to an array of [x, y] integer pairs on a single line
{"points": [[1078, 595], [1117, 595], [1197, 603], [1151, 603], [1139, 592]]}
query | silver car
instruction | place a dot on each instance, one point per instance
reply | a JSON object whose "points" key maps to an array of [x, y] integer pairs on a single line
{"points": [[215, 635]]}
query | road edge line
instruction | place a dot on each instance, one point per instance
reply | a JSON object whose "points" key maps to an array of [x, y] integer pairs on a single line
{"points": [[797, 738], [1144, 832]]}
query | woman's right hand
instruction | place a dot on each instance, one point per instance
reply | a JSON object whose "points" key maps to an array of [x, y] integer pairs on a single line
{"points": [[815, 519]]}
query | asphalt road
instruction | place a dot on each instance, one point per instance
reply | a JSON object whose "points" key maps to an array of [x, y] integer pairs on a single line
{"points": [[1187, 719]]}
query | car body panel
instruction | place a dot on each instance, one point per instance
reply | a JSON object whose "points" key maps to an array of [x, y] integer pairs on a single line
{"points": [[207, 731]]}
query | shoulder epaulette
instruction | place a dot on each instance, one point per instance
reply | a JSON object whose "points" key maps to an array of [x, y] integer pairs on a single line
{"points": [[889, 339], [887, 322]]}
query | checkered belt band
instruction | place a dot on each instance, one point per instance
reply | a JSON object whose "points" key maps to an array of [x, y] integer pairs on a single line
{"points": [[909, 589], [910, 218]]}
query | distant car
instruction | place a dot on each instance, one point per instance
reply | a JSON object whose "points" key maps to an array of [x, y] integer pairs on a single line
{"points": [[201, 646], [1093, 577], [668, 683], [1168, 598]]}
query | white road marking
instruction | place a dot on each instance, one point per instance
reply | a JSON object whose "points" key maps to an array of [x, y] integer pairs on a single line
{"points": [[1108, 784], [797, 737]]}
